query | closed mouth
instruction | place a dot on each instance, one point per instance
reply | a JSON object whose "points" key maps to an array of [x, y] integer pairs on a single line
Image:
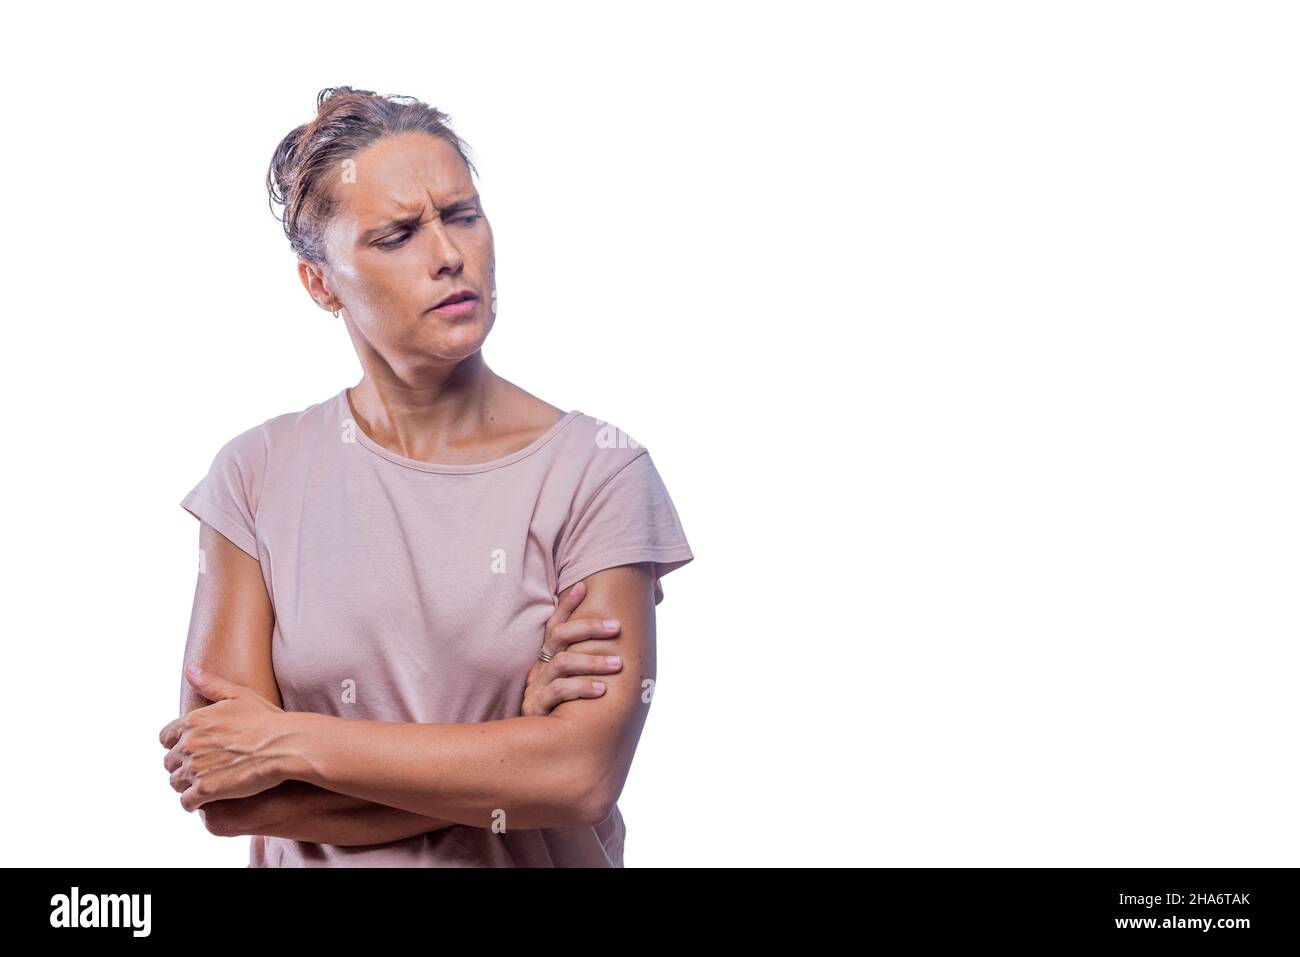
{"points": [[456, 297]]}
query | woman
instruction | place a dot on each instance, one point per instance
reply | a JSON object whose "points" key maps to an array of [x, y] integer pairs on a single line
{"points": [[402, 603]]}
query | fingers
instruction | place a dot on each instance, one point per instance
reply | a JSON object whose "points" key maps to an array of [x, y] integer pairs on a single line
{"points": [[193, 798], [569, 602], [567, 689], [171, 732], [580, 629], [572, 663], [172, 760], [175, 763], [567, 676]]}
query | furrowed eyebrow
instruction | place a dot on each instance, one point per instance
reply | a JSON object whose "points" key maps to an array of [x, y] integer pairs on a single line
{"points": [[408, 221]]}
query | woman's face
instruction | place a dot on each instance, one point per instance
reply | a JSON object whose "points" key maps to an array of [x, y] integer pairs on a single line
{"points": [[409, 231]]}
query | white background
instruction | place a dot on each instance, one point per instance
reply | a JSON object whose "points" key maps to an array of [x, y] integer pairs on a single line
{"points": [[963, 335]]}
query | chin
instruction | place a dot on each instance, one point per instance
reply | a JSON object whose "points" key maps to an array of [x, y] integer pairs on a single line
{"points": [[465, 342]]}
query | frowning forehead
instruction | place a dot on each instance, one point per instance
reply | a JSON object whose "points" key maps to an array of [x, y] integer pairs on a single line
{"points": [[400, 178]]}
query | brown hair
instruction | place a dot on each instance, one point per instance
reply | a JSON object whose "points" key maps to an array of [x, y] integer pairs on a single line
{"points": [[347, 121]]}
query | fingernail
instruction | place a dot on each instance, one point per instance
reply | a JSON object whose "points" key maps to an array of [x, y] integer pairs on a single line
{"points": [[598, 685], [613, 661], [611, 622]]}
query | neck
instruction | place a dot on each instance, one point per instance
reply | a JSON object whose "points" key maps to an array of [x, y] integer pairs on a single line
{"points": [[418, 417]]}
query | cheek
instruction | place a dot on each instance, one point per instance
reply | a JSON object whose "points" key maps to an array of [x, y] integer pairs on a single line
{"points": [[389, 298]]}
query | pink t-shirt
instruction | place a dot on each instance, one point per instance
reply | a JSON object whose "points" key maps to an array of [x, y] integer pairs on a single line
{"points": [[422, 590]]}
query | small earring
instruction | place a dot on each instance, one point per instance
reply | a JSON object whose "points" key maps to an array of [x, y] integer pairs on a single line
{"points": [[336, 313]]}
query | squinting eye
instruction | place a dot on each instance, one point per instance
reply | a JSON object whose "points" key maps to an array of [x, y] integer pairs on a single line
{"points": [[391, 243], [471, 219]]}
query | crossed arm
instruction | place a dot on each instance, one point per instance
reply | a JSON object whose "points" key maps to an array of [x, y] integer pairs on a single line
{"points": [[369, 782]]}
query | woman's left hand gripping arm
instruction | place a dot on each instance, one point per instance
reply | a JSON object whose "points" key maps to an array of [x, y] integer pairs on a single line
{"points": [[235, 747]]}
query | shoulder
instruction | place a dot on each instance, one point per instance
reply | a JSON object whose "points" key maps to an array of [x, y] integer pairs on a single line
{"points": [[317, 415], [592, 450], [253, 447], [245, 451], [292, 428]]}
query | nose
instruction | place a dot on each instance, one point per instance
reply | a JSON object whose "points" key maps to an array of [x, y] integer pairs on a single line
{"points": [[445, 255]]}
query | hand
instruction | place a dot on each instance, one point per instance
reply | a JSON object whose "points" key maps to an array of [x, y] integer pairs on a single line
{"points": [[232, 748], [549, 684], [231, 817]]}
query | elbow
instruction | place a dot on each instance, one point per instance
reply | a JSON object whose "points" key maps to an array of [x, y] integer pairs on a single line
{"points": [[586, 777], [234, 817], [219, 820], [592, 811], [596, 796]]}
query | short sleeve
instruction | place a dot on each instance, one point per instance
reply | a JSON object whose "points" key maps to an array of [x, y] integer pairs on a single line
{"points": [[629, 519], [227, 496]]}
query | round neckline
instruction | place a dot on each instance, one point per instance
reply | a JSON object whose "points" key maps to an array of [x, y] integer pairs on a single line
{"points": [[346, 414]]}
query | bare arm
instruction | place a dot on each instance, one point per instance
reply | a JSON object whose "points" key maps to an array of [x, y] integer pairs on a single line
{"points": [[230, 634], [304, 812], [564, 769]]}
